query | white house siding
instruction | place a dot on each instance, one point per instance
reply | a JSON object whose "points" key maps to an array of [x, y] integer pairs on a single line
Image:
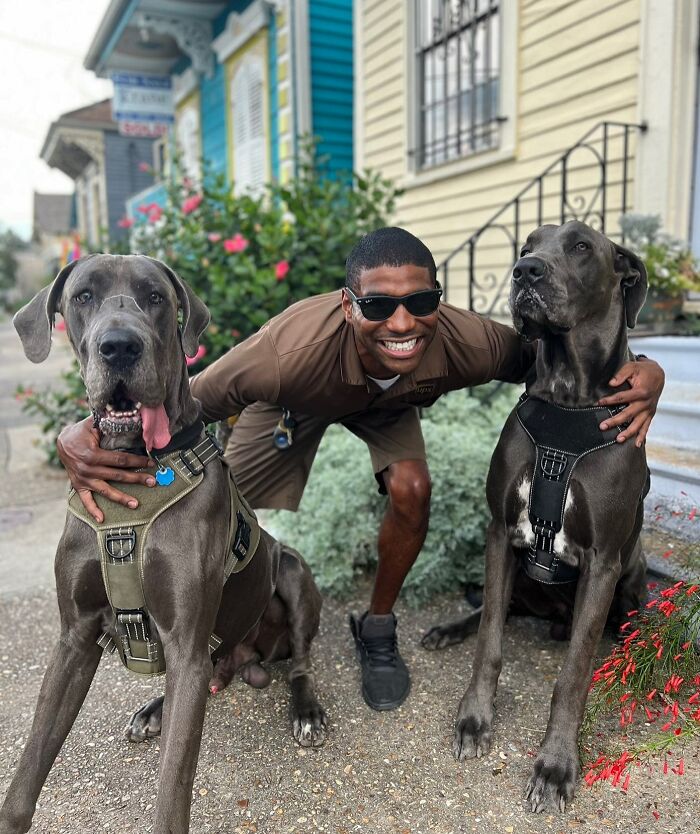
{"points": [[577, 65]]}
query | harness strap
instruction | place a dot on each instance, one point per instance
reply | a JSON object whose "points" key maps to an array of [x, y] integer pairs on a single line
{"points": [[562, 437], [121, 542]]}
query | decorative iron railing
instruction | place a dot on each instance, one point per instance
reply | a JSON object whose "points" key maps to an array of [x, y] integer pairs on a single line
{"points": [[591, 182]]}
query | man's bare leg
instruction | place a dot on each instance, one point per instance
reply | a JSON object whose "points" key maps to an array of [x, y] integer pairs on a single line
{"points": [[385, 678]]}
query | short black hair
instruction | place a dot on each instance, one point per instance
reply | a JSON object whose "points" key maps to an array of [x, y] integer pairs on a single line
{"points": [[390, 246]]}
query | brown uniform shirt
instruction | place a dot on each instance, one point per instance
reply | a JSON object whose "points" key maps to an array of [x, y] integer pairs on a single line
{"points": [[305, 359]]}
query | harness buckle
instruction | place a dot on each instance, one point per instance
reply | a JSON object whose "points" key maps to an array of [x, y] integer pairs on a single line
{"points": [[553, 464], [120, 543]]}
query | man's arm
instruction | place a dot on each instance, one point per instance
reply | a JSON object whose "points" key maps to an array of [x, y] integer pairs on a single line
{"points": [[247, 373], [646, 380]]}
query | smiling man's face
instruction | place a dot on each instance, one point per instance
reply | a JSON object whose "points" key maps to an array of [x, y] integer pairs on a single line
{"points": [[396, 345]]}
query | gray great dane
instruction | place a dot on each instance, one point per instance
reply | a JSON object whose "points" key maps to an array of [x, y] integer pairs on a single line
{"points": [[121, 315], [577, 292]]}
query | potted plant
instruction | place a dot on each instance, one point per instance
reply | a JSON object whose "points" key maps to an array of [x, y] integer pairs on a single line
{"points": [[672, 270]]}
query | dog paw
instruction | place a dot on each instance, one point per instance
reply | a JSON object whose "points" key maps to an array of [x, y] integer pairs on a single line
{"points": [[145, 722], [309, 726], [472, 738], [439, 637], [552, 783]]}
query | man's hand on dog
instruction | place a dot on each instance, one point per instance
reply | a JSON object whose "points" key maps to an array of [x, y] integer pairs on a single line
{"points": [[89, 467], [646, 381]]}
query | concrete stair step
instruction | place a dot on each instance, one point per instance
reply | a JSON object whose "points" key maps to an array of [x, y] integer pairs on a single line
{"points": [[677, 420], [679, 356], [675, 472]]}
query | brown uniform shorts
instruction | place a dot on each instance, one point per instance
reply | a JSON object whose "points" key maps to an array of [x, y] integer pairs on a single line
{"points": [[271, 478]]}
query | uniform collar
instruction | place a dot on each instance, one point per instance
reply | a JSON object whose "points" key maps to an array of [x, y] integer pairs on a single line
{"points": [[432, 366]]}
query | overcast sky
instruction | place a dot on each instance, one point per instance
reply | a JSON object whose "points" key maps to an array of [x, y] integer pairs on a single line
{"points": [[42, 46]]}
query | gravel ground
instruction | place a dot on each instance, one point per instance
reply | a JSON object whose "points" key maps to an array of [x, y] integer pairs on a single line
{"points": [[378, 772]]}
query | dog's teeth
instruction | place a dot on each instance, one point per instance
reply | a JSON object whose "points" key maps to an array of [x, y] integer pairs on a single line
{"points": [[137, 407], [109, 407]]}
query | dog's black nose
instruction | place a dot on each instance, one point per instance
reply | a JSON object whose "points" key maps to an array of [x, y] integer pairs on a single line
{"points": [[120, 348], [528, 270]]}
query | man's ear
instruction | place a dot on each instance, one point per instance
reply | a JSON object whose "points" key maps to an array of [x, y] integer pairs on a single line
{"points": [[346, 303], [632, 275], [195, 313], [35, 320]]}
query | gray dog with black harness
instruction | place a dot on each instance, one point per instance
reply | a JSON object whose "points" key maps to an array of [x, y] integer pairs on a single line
{"points": [[189, 575], [565, 497]]}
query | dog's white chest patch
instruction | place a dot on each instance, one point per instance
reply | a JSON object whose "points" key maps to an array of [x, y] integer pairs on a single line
{"points": [[523, 535]]}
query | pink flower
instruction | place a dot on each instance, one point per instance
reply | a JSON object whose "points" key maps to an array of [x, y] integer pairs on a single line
{"points": [[144, 167], [125, 223], [155, 213], [191, 203], [281, 270], [234, 244], [144, 208], [213, 237], [201, 351]]}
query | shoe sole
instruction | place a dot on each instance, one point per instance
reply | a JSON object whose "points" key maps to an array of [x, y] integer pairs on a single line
{"points": [[386, 706]]}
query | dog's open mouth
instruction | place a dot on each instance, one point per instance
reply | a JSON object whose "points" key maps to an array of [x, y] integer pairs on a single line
{"points": [[125, 415], [121, 415]]}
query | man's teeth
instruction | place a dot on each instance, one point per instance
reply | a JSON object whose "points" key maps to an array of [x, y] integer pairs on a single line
{"points": [[405, 346]]}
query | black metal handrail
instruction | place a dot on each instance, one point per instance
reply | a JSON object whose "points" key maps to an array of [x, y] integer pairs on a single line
{"points": [[566, 190]]}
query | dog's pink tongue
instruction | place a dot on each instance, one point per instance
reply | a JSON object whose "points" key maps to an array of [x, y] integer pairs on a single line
{"points": [[155, 426]]}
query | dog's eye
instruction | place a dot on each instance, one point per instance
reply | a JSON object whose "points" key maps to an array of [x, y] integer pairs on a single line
{"points": [[83, 297], [155, 298], [581, 246]]}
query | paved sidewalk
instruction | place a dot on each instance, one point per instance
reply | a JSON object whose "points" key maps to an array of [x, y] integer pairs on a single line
{"points": [[389, 773]]}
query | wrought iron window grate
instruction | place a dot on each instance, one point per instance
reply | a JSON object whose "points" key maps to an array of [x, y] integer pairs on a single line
{"points": [[458, 54]]}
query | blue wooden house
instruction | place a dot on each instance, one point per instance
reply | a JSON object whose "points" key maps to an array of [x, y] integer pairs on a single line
{"points": [[250, 79]]}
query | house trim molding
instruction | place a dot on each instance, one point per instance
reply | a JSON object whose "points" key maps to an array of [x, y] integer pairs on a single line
{"points": [[240, 28], [667, 95]]}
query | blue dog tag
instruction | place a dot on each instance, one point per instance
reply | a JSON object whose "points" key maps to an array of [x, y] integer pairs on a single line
{"points": [[165, 476]]}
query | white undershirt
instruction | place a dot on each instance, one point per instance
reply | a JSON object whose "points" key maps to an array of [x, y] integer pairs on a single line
{"points": [[384, 384]]}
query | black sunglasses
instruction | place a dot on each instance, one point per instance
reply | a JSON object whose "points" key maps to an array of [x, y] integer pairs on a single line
{"points": [[382, 307]]}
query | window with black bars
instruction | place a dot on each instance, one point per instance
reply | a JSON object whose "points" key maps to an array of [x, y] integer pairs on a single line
{"points": [[458, 51]]}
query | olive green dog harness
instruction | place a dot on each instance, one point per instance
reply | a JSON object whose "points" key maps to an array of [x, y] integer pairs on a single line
{"points": [[122, 538]]}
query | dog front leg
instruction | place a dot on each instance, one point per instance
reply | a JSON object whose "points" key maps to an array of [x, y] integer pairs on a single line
{"points": [[65, 685], [475, 714], [556, 768], [189, 671]]}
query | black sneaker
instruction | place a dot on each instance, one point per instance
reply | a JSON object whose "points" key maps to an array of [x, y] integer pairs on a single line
{"points": [[385, 679]]}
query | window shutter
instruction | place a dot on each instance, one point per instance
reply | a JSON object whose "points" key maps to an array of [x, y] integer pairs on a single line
{"points": [[249, 139]]}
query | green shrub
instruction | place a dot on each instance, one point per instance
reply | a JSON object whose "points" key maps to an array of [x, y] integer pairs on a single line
{"points": [[249, 258], [337, 523], [56, 408]]}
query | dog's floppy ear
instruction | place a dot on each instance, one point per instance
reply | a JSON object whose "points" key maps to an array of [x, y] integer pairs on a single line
{"points": [[34, 321], [633, 280], [195, 314]]}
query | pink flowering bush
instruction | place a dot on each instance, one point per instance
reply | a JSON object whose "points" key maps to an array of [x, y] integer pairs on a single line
{"points": [[250, 257]]}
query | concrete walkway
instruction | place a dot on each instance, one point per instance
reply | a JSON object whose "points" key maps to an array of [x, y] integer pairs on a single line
{"points": [[391, 773]]}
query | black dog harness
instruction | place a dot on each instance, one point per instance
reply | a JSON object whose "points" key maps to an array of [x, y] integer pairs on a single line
{"points": [[562, 436], [122, 537]]}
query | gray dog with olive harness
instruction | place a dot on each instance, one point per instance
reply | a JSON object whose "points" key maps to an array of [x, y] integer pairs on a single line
{"points": [[187, 575], [565, 498]]}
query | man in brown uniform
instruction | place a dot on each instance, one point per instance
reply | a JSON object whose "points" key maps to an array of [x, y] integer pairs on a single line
{"points": [[366, 357]]}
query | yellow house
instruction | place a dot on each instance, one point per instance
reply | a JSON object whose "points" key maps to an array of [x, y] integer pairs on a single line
{"points": [[467, 103]]}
